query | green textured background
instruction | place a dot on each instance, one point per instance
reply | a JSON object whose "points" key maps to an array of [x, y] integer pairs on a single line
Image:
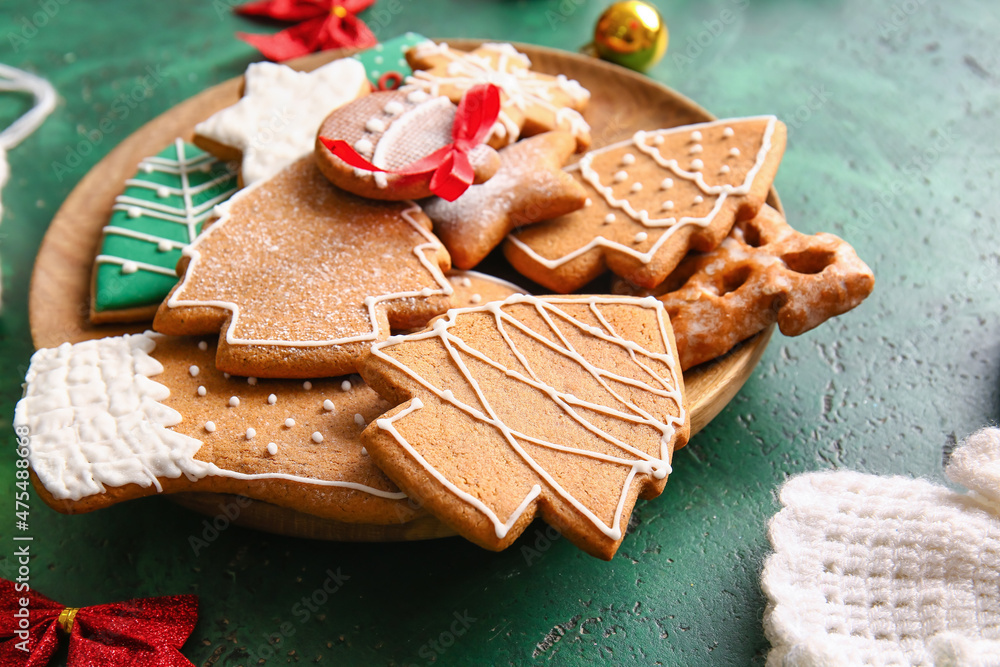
{"points": [[893, 144]]}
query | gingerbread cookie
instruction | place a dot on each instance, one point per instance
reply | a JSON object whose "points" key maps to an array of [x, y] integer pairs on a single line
{"points": [[162, 210], [301, 277], [529, 187], [408, 145], [567, 408], [764, 272], [119, 418], [532, 102], [653, 198], [275, 122]]}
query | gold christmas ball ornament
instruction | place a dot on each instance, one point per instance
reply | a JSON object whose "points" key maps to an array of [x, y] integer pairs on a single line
{"points": [[631, 34]]}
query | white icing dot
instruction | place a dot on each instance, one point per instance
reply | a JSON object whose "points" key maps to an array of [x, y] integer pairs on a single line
{"points": [[359, 419], [147, 168], [667, 205], [724, 169], [272, 399], [163, 246], [465, 282], [697, 148], [620, 176], [251, 381], [728, 132], [636, 187], [375, 125], [272, 448], [194, 370], [381, 180], [697, 165], [393, 108], [134, 211], [162, 192], [289, 422], [233, 402], [307, 385], [666, 183], [734, 151], [696, 136], [202, 345], [378, 59], [210, 427], [346, 385], [130, 267], [609, 218], [363, 146], [628, 159], [317, 437], [641, 236], [328, 405], [698, 199], [364, 451], [587, 201], [658, 140], [375, 72], [475, 298], [379, 47], [202, 391], [416, 97], [426, 291], [226, 375], [251, 432]]}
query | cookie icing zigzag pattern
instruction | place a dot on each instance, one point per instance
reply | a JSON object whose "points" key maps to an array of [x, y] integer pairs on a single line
{"points": [[161, 211], [654, 373]]}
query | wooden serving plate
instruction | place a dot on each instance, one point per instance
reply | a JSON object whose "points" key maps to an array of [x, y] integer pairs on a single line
{"points": [[622, 102]]}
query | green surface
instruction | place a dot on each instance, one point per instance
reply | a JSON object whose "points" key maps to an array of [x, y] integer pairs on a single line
{"points": [[892, 114]]}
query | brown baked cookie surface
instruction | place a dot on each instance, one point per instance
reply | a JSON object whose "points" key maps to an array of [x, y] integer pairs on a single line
{"points": [[764, 272], [652, 199], [392, 130], [568, 408], [529, 187], [124, 417], [301, 277]]}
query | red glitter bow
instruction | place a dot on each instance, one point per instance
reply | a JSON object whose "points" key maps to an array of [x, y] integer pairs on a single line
{"points": [[324, 24], [451, 168], [138, 633]]}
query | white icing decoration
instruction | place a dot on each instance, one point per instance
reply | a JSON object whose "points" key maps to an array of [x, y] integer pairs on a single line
{"points": [[134, 212], [210, 427], [317, 437], [393, 108], [609, 218], [698, 199], [641, 236], [202, 391], [251, 432], [667, 205], [162, 191], [636, 187], [476, 298], [128, 266], [359, 419], [696, 136], [276, 121], [364, 147], [307, 385], [328, 405], [194, 370], [271, 399], [724, 169], [628, 159], [375, 125], [588, 202], [728, 132], [697, 148], [697, 165], [289, 423], [619, 176], [345, 385], [251, 381], [203, 346], [234, 402], [637, 460], [666, 183], [734, 151], [272, 448]]}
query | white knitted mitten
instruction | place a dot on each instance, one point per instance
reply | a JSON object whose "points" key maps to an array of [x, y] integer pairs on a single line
{"points": [[872, 570]]}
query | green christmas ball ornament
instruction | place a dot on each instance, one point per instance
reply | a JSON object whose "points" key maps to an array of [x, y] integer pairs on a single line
{"points": [[631, 34]]}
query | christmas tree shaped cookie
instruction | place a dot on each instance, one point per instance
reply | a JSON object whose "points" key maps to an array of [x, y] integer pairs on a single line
{"points": [[652, 198], [298, 277], [162, 210], [567, 408]]}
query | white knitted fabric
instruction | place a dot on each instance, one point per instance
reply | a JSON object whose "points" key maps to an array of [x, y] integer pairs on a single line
{"points": [[872, 570]]}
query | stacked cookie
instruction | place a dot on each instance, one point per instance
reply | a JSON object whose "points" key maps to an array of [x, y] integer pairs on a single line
{"points": [[314, 348]]}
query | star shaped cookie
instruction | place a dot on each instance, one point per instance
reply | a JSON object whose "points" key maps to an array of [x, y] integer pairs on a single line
{"points": [[532, 102], [529, 187], [275, 122]]}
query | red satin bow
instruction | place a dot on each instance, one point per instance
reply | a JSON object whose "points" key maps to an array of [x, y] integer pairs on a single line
{"points": [[325, 24], [451, 168], [138, 633]]}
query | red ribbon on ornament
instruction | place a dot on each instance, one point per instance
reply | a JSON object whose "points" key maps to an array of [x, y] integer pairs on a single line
{"points": [[322, 25], [452, 171], [139, 633]]}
